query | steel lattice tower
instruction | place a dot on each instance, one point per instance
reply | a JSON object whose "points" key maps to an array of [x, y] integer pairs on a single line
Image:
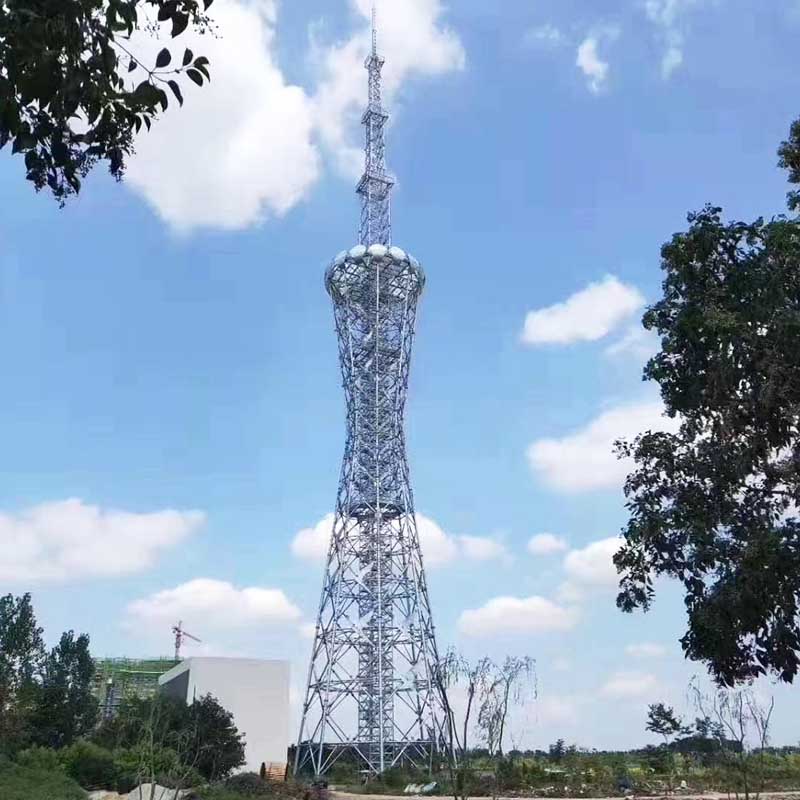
{"points": [[370, 682]]}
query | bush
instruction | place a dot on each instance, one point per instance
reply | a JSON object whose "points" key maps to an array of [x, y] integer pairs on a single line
{"points": [[92, 766], [41, 758], [248, 784], [26, 783]]}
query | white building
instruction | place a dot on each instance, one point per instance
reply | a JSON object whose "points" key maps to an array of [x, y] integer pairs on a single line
{"points": [[256, 692]]}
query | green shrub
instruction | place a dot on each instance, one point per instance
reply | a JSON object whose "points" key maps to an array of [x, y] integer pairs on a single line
{"points": [[92, 766], [41, 758], [26, 783], [248, 784]]}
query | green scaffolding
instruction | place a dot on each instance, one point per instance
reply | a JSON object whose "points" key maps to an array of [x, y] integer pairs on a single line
{"points": [[116, 679]]}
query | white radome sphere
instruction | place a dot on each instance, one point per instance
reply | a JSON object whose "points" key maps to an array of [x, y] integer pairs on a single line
{"points": [[377, 250], [359, 251], [397, 253]]}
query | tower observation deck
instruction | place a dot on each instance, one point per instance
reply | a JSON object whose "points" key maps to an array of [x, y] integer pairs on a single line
{"points": [[370, 690]]}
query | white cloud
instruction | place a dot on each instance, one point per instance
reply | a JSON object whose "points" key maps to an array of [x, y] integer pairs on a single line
{"points": [[246, 146], [588, 58], [588, 315], [213, 604], [590, 568], [636, 343], [241, 148], [517, 615], [585, 460], [672, 59], [70, 540], [646, 650], [438, 547], [482, 548], [546, 544], [414, 43], [592, 565], [308, 630], [311, 544], [546, 35], [630, 685], [667, 16]]}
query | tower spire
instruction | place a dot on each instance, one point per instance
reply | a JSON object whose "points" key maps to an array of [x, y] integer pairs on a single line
{"points": [[376, 184]]}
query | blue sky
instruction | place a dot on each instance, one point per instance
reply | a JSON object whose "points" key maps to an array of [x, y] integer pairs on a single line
{"points": [[173, 419]]}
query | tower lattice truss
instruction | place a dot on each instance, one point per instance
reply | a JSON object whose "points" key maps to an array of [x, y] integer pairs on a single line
{"points": [[371, 689]]}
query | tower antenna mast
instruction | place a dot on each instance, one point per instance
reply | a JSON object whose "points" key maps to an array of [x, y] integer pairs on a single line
{"points": [[376, 184], [372, 679]]}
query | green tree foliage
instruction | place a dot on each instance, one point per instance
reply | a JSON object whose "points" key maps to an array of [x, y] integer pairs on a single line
{"points": [[91, 766], [25, 783], [65, 708], [558, 750], [21, 659], [715, 504], [73, 90], [662, 720], [202, 735], [45, 698], [789, 159]]}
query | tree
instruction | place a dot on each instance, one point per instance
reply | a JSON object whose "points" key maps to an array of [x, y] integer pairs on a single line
{"points": [[714, 504], [73, 90], [662, 720], [510, 682], [490, 689], [64, 707], [219, 745], [21, 657], [789, 159], [202, 735], [557, 751], [739, 718]]}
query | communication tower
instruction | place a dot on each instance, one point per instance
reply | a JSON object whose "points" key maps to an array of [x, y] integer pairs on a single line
{"points": [[371, 690]]}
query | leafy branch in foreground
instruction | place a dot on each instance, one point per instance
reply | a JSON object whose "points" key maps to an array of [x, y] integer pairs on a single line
{"points": [[67, 98], [715, 505]]}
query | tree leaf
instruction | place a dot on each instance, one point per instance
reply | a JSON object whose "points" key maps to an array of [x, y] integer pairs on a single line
{"points": [[132, 65], [187, 57], [163, 59], [176, 90], [179, 24], [195, 76]]}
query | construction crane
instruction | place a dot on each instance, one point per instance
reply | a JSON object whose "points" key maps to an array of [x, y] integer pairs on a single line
{"points": [[180, 635]]}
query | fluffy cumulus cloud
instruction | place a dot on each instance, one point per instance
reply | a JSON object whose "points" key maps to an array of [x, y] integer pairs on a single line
{"points": [[241, 148], [520, 615], [215, 604], [438, 546], [646, 650], [589, 61], [71, 540], [630, 685], [584, 460], [586, 316], [590, 568], [247, 146], [546, 544]]}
